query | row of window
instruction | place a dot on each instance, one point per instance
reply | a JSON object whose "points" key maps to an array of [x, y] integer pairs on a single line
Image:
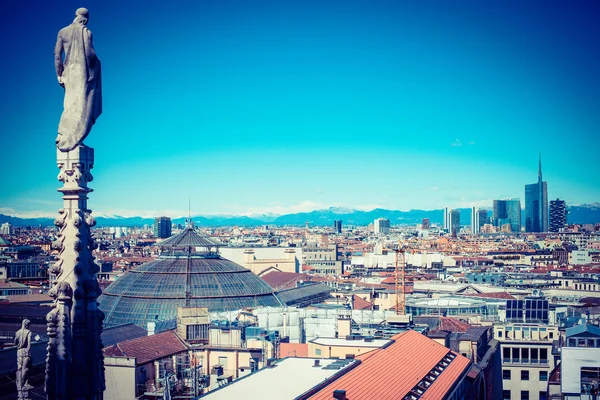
{"points": [[523, 355], [506, 374], [524, 395], [581, 342], [525, 332]]}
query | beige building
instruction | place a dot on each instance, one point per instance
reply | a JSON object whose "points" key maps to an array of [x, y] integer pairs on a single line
{"points": [[323, 259], [263, 259], [263, 265], [527, 360]]}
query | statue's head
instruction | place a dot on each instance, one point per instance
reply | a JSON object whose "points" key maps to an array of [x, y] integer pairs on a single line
{"points": [[82, 15], [25, 323]]}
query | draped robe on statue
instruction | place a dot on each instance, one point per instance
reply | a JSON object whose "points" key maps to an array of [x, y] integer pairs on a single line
{"points": [[83, 89]]}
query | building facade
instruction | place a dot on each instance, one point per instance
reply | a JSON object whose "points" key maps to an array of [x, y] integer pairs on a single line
{"points": [[526, 359], [6, 229], [536, 205], [558, 215], [580, 361], [381, 226], [454, 222], [507, 212], [337, 226], [323, 260], [162, 227]]}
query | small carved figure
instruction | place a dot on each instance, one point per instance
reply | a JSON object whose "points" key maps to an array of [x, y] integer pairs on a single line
{"points": [[23, 343], [79, 75]]}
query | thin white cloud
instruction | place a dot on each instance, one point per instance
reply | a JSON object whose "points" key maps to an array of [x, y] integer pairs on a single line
{"points": [[486, 203], [456, 143], [28, 214]]}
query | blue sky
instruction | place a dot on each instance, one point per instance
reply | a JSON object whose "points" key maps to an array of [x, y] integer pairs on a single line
{"points": [[279, 106]]}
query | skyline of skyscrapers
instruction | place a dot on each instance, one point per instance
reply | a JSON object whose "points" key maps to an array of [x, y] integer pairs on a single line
{"points": [[558, 215], [536, 204]]}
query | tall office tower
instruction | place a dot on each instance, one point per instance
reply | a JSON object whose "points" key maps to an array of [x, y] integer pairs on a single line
{"points": [[558, 215], [536, 204], [483, 217], [381, 225], [446, 219], [425, 223], [162, 227], [453, 222], [475, 224], [337, 226], [508, 212]]}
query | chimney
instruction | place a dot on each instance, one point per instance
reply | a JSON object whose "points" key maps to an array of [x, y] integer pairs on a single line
{"points": [[151, 328], [339, 394], [317, 364]]}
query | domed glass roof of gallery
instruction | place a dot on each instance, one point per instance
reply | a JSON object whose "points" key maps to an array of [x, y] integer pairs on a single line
{"points": [[182, 277]]}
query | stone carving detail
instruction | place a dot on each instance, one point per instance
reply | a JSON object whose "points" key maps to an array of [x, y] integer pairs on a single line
{"points": [[74, 362]]}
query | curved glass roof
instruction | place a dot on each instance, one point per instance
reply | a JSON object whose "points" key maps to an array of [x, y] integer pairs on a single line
{"points": [[189, 238], [154, 290]]}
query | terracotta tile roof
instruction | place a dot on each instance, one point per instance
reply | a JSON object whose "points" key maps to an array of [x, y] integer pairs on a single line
{"points": [[494, 295], [30, 298], [392, 372], [147, 348], [293, 350], [282, 280], [453, 325], [358, 303]]}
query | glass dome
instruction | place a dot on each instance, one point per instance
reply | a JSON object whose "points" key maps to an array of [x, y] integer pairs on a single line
{"points": [[153, 291]]}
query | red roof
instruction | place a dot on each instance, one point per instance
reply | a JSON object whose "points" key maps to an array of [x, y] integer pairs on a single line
{"points": [[493, 295], [390, 280], [282, 280], [293, 350], [453, 325], [147, 348], [358, 303], [390, 373]]}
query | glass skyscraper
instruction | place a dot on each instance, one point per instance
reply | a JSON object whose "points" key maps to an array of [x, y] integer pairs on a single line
{"points": [[508, 212], [536, 204]]}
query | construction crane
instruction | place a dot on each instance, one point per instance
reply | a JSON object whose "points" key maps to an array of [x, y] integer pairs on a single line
{"points": [[400, 280]]}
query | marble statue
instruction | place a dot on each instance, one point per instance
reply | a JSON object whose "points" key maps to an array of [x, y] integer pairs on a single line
{"points": [[74, 359], [23, 343], [79, 74]]}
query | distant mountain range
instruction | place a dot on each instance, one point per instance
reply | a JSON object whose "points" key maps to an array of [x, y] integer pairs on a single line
{"points": [[581, 214]]}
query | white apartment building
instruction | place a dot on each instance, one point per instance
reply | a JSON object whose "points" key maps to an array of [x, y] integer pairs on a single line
{"points": [[6, 229], [580, 361], [381, 226]]}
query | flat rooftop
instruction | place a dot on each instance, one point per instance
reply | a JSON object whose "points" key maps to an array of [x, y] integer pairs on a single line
{"points": [[375, 343], [287, 379]]}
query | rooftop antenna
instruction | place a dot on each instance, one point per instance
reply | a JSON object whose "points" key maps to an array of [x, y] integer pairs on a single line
{"points": [[540, 166], [190, 212]]}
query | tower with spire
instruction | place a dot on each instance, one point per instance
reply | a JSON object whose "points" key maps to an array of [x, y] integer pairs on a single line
{"points": [[536, 204]]}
